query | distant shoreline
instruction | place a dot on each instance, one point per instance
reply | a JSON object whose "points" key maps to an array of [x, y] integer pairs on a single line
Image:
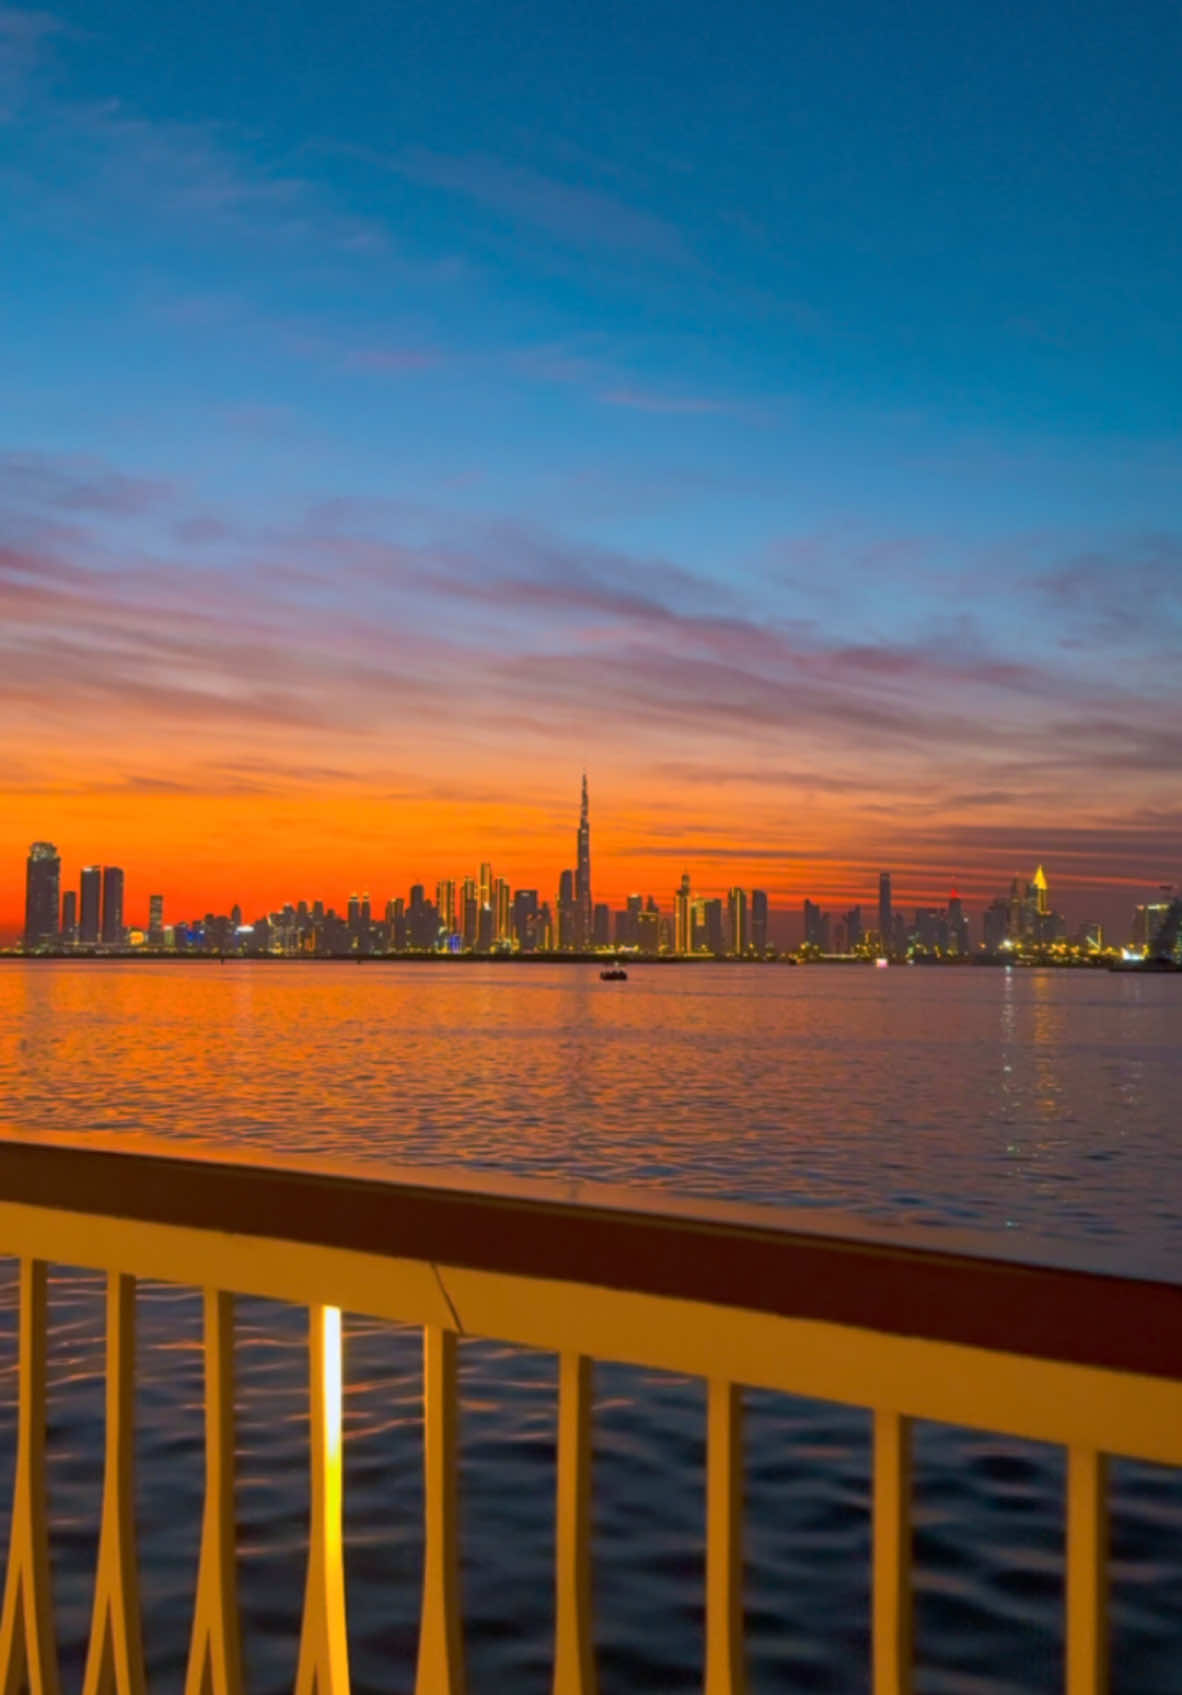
{"points": [[146, 956]]}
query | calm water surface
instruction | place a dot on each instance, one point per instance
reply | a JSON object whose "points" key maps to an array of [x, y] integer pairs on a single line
{"points": [[1041, 1107]]}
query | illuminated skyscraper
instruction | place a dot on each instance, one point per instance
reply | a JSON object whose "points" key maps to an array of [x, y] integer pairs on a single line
{"points": [[470, 912], [737, 914], [886, 923], [502, 914], [583, 905], [1040, 894], [43, 895], [112, 906], [445, 902], [88, 918], [683, 933]]}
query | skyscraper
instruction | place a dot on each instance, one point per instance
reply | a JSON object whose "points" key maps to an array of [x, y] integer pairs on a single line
{"points": [[759, 920], [43, 891], [445, 903], [156, 921], [112, 906], [740, 939], [88, 921], [886, 923], [683, 936], [70, 916], [567, 911], [583, 905], [525, 919]]}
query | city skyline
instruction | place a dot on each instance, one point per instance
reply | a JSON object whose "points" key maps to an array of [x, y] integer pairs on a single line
{"points": [[370, 462], [485, 912]]}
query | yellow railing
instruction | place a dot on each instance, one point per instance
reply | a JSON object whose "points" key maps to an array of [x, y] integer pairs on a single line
{"points": [[728, 1294]]}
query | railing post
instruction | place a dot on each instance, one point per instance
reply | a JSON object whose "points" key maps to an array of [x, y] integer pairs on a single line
{"points": [[726, 1669], [28, 1645], [215, 1653], [1087, 1572], [115, 1657], [323, 1667], [574, 1636], [441, 1642], [893, 1607]]}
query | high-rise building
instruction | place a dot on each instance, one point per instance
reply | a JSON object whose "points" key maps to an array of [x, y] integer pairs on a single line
{"points": [[566, 911], [156, 921], [816, 927], [583, 904], [525, 919], [470, 912], [737, 915], [627, 931], [112, 906], [648, 930], [70, 916], [714, 927], [995, 925], [602, 925], [502, 913], [853, 929], [759, 920], [683, 933], [886, 921], [43, 895], [445, 903], [958, 926], [89, 916]]}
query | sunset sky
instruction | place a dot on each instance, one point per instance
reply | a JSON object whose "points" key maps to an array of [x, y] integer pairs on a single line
{"points": [[773, 410]]}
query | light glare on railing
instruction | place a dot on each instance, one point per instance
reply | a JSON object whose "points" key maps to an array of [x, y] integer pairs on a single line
{"points": [[332, 1383]]}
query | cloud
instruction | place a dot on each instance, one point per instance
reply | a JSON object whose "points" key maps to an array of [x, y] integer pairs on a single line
{"points": [[580, 217], [79, 485], [653, 400]]}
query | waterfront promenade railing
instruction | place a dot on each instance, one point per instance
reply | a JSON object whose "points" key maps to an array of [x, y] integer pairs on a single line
{"points": [[727, 1294]]}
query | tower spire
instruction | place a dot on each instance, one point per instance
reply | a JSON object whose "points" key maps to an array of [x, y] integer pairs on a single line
{"points": [[583, 906]]}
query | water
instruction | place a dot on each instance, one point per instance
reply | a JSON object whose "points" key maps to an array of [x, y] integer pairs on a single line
{"points": [[1036, 1107]]}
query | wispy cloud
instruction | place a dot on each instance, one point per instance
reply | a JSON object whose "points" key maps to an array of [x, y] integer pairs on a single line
{"points": [[569, 212], [655, 400], [79, 485]]}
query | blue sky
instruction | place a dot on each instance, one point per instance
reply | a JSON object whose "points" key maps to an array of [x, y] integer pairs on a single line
{"points": [[859, 328]]}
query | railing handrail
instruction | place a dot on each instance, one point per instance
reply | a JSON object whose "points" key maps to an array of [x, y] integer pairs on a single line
{"points": [[1050, 1312]]}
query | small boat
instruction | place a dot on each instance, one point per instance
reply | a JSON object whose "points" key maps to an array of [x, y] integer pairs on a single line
{"points": [[613, 974]]}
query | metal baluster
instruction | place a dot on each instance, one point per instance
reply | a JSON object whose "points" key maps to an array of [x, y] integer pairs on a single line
{"points": [[324, 1648], [28, 1644], [574, 1631], [115, 1657], [215, 1653], [726, 1671], [441, 1642], [1087, 1572], [893, 1607]]}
